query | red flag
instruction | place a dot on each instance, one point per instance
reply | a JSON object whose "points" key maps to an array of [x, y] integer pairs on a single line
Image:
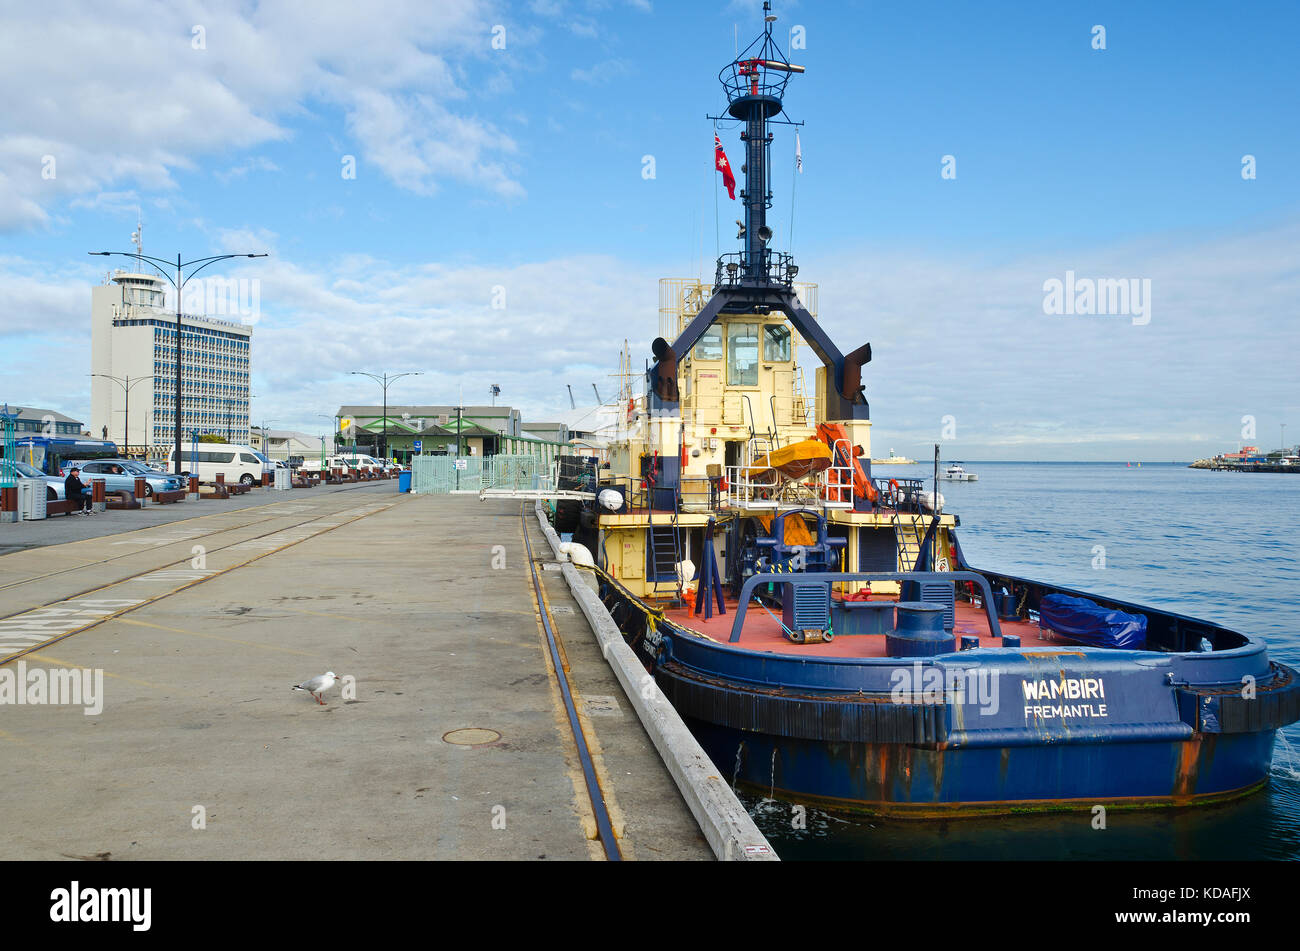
{"points": [[720, 162]]}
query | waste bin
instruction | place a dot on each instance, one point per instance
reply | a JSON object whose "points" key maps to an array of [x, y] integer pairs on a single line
{"points": [[404, 481]]}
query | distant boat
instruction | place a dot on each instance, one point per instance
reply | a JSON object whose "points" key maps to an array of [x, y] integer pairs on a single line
{"points": [[957, 473]]}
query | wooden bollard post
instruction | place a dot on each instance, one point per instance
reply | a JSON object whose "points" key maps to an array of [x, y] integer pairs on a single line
{"points": [[97, 500], [140, 493], [193, 495], [9, 504]]}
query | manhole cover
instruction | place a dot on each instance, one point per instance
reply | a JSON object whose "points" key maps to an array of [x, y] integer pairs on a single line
{"points": [[471, 736], [602, 707], [561, 609]]}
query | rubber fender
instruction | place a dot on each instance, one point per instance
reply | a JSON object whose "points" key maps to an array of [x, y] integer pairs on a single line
{"points": [[577, 554]]}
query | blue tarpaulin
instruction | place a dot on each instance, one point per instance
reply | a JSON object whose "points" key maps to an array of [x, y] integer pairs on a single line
{"points": [[1089, 623]]}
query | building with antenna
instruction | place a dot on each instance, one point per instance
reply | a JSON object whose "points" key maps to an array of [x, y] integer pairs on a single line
{"points": [[133, 365]]}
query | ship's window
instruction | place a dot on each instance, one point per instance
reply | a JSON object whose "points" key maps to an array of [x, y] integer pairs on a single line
{"points": [[742, 349], [709, 346], [776, 343]]}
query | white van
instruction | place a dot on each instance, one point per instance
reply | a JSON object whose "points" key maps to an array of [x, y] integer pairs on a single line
{"points": [[206, 459], [359, 461]]}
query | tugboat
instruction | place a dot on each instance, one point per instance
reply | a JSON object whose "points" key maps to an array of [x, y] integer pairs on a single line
{"points": [[821, 631]]}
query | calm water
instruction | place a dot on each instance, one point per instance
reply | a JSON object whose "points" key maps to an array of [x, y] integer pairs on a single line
{"points": [[1215, 545]]}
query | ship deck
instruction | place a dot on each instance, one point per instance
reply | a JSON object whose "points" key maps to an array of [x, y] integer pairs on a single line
{"points": [[762, 631]]}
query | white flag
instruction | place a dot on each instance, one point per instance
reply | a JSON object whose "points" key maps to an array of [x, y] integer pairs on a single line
{"points": [[798, 154]]}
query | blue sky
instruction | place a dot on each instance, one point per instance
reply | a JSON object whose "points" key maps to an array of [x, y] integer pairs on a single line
{"points": [[479, 167]]}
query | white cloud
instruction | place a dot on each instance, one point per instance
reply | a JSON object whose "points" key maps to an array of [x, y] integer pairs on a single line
{"points": [[416, 142], [255, 163], [951, 336], [602, 72], [115, 91], [116, 203], [955, 336]]}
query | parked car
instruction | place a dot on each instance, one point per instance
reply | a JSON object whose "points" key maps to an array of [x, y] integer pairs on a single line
{"points": [[120, 475], [21, 470]]}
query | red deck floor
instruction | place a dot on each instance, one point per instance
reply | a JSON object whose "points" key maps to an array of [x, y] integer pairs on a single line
{"points": [[762, 632]]}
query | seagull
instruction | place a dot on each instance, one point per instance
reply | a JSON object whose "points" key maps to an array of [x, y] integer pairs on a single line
{"points": [[318, 685]]}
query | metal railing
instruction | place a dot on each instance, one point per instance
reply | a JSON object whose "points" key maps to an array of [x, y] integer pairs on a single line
{"points": [[773, 267], [830, 577], [831, 488], [905, 498]]}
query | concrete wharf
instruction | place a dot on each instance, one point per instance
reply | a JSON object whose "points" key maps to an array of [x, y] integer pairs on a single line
{"points": [[446, 739]]}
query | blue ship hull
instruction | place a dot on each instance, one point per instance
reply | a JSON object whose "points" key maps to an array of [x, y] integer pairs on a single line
{"points": [[986, 730], [915, 782]]}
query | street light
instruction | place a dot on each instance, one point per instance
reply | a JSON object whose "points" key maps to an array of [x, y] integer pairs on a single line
{"points": [[179, 284], [384, 381], [334, 429], [333, 436], [126, 419], [266, 445]]}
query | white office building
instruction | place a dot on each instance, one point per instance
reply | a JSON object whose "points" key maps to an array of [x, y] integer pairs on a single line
{"points": [[133, 338]]}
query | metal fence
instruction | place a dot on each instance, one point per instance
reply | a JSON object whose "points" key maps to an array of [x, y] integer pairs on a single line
{"points": [[523, 471], [438, 475]]}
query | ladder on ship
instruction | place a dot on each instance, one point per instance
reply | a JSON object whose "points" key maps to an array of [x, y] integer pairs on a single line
{"points": [[665, 549], [799, 408], [909, 533]]}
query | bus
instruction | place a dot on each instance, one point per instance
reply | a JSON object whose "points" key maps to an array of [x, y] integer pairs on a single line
{"points": [[49, 453]]}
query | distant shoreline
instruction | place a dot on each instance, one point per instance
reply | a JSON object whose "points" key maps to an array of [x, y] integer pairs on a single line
{"points": [[1052, 462]]}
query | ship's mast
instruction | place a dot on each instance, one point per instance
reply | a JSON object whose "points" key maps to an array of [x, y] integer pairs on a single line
{"points": [[759, 280], [755, 85]]}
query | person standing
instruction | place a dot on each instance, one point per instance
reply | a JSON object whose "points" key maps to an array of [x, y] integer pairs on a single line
{"points": [[74, 490]]}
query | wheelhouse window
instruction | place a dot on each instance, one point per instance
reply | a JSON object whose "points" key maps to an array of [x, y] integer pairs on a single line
{"points": [[742, 354], [709, 346], [776, 343]]}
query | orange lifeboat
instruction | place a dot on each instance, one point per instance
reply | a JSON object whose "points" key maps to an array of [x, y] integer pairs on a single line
{"points": [[796, 461]]}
